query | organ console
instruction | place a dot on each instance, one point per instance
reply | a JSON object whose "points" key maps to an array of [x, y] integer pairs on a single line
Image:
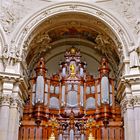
{"points": [[72, 104]]}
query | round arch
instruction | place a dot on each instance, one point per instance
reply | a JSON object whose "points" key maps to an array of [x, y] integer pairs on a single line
{"points": [[33, 21]]}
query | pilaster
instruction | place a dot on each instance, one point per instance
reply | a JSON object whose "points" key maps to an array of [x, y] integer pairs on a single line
{"points": [[131, 107], [13, 94], [128, 115], [14, 118]]}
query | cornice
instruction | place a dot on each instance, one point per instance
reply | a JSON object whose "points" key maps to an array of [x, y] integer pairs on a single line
{"points": [[10, 76], [132, 78]]}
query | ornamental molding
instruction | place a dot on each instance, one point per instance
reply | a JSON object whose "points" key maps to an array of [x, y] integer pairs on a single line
{"points": [[23, 32]]}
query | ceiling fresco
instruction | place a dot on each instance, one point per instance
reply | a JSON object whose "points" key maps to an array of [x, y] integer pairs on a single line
{"points": [[59, 32]]}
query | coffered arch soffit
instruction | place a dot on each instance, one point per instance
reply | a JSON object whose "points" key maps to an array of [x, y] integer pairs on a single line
{"points": [[77, 23]]}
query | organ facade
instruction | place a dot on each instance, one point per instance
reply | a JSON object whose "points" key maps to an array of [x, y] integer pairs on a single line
{"points": [[72, 104]]}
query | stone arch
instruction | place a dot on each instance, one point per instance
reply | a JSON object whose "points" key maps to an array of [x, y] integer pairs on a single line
{"points": [[33, 21]]}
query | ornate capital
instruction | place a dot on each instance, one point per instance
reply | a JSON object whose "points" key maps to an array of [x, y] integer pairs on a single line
{"points": [[136, 101], [5, 100], [15, 102], [126, 103]]}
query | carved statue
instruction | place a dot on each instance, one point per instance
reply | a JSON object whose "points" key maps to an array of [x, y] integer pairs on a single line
{"points": [[134, 58], [5, 52]]}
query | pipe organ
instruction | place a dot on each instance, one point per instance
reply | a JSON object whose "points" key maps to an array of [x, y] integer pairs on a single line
{"points": [[71, 104]]}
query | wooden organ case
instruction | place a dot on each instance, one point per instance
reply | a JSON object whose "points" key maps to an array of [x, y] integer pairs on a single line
{"points": [[72, 104]]}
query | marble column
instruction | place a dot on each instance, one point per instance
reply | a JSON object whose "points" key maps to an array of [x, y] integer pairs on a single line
{"points": [[128, 114], [4, 116], [14, 119], [136, 104]]}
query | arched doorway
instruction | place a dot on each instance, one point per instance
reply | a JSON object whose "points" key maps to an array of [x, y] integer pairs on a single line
{"points": [[73, 116]]}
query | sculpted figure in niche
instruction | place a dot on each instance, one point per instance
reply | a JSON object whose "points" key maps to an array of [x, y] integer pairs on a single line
{"points": [[134, 58]]}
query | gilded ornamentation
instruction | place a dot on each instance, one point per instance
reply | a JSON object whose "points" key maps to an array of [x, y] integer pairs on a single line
{"points": [[91, 137], [52, 137], [72, 68], [54, 124], [90, 123]]}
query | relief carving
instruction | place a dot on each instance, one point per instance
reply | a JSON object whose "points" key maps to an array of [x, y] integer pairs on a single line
{"points": [[103, 44], [10, 55], [129, 11], [10, 15], [13, 11]]}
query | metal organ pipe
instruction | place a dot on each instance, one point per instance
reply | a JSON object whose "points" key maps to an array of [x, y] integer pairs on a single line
{"points": [[39, 95]]}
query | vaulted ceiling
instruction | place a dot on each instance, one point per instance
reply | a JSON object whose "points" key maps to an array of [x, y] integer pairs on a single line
{"points": [[92, 36]]}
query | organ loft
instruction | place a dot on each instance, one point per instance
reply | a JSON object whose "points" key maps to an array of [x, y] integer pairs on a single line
{"points": [[72, 104]]}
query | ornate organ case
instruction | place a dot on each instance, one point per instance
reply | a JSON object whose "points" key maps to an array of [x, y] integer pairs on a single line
{"points": [[72, 104]]}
